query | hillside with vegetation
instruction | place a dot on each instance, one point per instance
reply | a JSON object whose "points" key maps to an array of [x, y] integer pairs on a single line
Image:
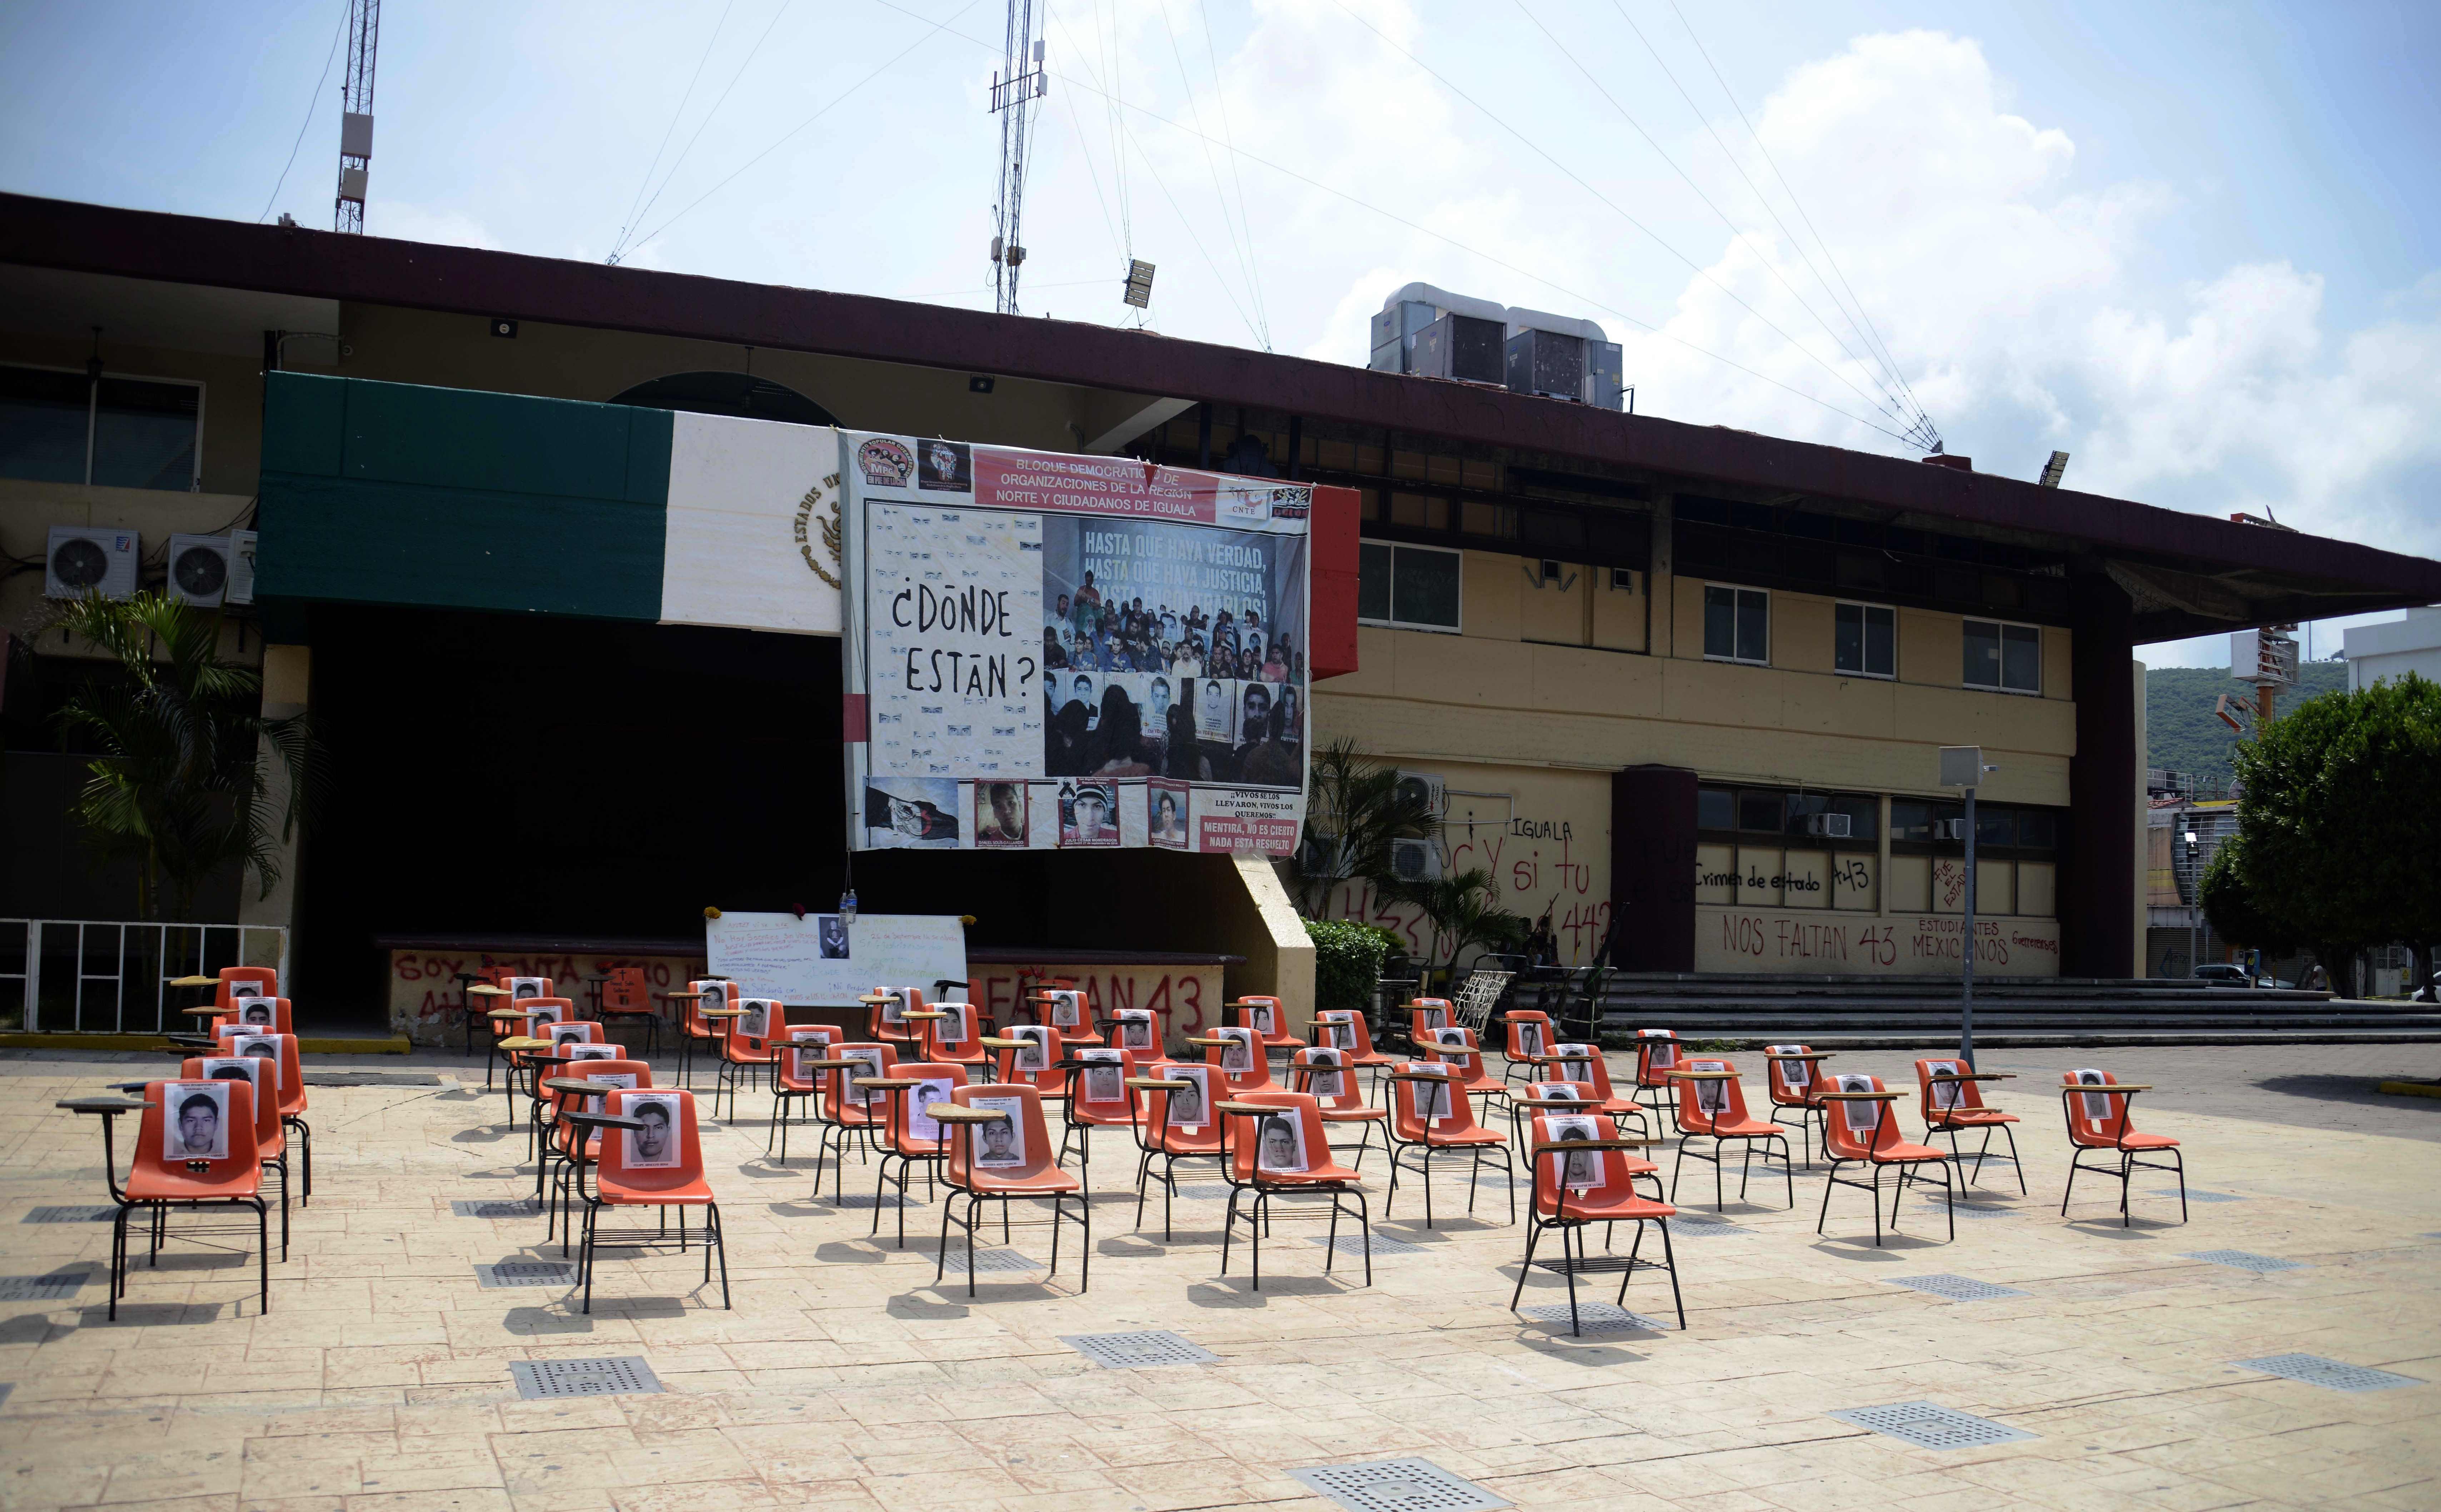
{"points": [[2181, 732]]}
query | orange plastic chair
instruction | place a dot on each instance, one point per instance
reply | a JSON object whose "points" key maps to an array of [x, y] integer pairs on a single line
{"points": [[1064, 1008], [744, 1056], [1035, 1062], [1584, 1172], [1006, 1159], [270, 1139], [1712, 1106], [849, 1114], [1427, 1013], [2096, 1106], [1527, 1033], [1237, 1053], [792, 1085], [1638, 1167], [1097, 1098], [627, 995], [891, 1025], [159, 1181], [1657, 1057], [1328, 1075], [1792, 1085], [1348, 1032], [251, 1012], [1174, 1125], [956, 1037], [1860, 1128], [1951, 1105], [290, 1087], [696, 1032], [630, 1175], [1457, 1048], [908, 1135], [262, 977], [1135, 1029], [575, 1145], [1267, 1017], [1583, 1064], [1277, 1148], [1430, 1113]]}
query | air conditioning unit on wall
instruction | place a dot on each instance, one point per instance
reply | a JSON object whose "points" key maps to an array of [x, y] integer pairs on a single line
{"points": [[1434, 790], [1830, 826], [209, 570], [1949, 829], [81, 558], [1415, 860]]}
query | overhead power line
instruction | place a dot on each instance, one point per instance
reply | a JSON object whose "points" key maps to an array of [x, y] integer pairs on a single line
{"points": [[635, 205], [336, 33], [680, 160]]}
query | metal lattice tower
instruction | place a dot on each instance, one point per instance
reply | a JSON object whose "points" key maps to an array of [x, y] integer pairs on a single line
{"points": [[1015, 88], [356, 118]]}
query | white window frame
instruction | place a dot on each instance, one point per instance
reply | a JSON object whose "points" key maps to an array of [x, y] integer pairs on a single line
{"points": [[1890, 609], [93, 413], [1395, 548], [2004, 626], [1735, 661]]}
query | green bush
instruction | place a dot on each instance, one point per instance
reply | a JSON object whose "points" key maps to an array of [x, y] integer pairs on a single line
{"points": [[1347, 963]]}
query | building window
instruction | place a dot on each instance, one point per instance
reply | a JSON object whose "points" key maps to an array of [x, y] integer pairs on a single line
{"points": [[1737, 624], [1411, 588], [2006, 657], [1867, 640], [68, 427]]}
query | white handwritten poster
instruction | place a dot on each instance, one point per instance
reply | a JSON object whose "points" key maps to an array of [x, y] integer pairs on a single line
{"points": [[797, 961], [956, 635]]}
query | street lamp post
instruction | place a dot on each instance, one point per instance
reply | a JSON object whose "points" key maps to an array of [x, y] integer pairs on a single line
{"points": [[1962, 766]]}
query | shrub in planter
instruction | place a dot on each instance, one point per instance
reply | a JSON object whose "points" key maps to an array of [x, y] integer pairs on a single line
{"points": [[1347, 963]]}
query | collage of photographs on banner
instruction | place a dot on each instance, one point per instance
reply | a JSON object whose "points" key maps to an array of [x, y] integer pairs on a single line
{"points": [[1074, 652]]}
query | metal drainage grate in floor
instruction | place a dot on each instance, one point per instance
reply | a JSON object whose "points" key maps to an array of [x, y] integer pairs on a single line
{"points": [[1141, 1348], [371, 1078], [618, 1376], [1956, 1288], [1398, 1485], [1967, 1210], [1598, 1317], [1692, 1227], [495, 1207], [57, 1286], [527, 1273], [1205, 1192], [2247, 1260], [1928, 1425], [988, 1260], [75, 1214], [2337, 1375], [1353, 1244], [888, 1203]]}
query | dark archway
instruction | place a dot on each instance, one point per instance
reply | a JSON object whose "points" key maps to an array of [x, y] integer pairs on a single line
{"points": [[728, 393]]}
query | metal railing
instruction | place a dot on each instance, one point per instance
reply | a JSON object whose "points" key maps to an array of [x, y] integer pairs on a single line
{"points": [[112, 975]]}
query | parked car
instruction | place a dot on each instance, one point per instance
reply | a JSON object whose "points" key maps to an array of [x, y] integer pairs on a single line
{"points": [[2229, 974]]}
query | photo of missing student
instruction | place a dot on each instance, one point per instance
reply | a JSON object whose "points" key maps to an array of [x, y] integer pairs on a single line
{"points": [[197, 1127], [1578, 1064], [1945, 1094], [1134, 1028], [593, 1053], [1067, 1007], [944, 467], [1450, 1038], [1583, 1167], [1433, 1096], [656, 1145], [1530, 1037], [1338, 1029], [830, 936], [2097, 1107], [868, 1066], [1105, 1076], [255, 1011], [1088, 815], [236, 1069], [1258, 1012], [1167, 819], [910, 812], [1326, 1079], [562, 1035], [756, 1024], [261, 1046], [1215, 722], [1237, 1056], [1000, 815], [547, 1013], [626, 1081], [1864, 1118], [524, 987], [1712, 1095], [1280, 1146], [1036, 1057], [1188, 1104], [920, 1098], [1000, 1144]]}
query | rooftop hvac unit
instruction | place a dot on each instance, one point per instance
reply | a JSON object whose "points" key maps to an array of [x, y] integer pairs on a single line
{"points": [[210, 571], [82, 558], [1415, 860], [1463, 348], [1547, 363], [1605, 376], [1395, 329], [1830, 826]]}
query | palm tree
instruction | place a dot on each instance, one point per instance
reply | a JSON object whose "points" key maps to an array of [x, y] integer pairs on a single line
{"points": [[1465, 913], [178, 788], [1355, 811]]}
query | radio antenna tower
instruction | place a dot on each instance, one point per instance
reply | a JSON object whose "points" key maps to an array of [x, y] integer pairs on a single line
{"points": [[1015, 88], [356, 117]]}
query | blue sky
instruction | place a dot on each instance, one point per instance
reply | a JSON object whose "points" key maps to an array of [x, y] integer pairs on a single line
{"points": [[2194, 246]]}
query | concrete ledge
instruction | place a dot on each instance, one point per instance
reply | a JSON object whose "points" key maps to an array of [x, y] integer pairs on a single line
{"points": [[395, 1045]]}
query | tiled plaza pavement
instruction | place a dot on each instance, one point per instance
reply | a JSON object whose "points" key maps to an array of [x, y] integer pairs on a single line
{"points": [[845, 1378]]}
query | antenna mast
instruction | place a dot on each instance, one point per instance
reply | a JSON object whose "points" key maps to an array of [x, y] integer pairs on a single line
{"points": [[1015, 88], [356, 118]]}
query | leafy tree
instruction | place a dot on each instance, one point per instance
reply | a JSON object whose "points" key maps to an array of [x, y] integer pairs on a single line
{"points": [[177, 788], [2341, 819], [2232, 908], [1465, 913], [1354, 812]]}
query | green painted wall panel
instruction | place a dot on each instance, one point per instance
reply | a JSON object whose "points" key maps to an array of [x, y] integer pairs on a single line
{"points": [[380, 492]]}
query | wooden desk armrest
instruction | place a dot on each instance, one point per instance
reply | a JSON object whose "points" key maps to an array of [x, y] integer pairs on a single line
{"points": [[575, 1085], [102, 1104], [721, 1013], [1154, 1084], [1971, 1076], [1252, 1109], [887, 1084], [2110, 1087], [1860, 1097], [802, 1064], [604, 1120], [990, 1043], [1702, 1076], [1423, 1076], [1811, 1054], [681, 997], [957, 1113], [1550, 1146]]}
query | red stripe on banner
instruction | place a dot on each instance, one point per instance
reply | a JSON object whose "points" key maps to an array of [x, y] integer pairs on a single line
{"points": [[1331, 637], [853, 723]]}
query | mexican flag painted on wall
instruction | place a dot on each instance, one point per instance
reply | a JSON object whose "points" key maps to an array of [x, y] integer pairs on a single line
{"points": [[377, 493]]}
